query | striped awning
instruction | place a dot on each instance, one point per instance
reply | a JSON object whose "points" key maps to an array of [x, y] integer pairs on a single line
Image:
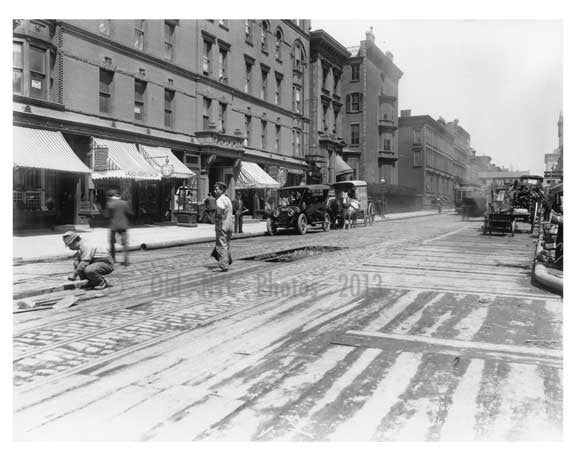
{"points": [[123, 162], [157, 156], [45, 149], [253, 177], [342, 167]]}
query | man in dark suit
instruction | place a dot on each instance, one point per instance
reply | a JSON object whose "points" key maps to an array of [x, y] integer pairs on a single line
{"points": [[238, 210], [119, 212]]}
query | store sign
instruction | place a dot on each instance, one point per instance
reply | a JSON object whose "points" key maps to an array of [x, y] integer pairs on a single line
{"points": [[100, 158], [37, 84], [167, 170]]}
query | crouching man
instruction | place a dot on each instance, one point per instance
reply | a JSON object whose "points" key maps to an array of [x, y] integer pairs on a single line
{"points": [[90, 263]]}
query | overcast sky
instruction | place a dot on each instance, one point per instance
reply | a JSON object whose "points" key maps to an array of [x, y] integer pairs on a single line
{"points": [[501, 79]]}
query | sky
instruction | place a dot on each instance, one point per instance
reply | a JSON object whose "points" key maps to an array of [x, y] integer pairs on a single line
{"points": [[502, 79]]}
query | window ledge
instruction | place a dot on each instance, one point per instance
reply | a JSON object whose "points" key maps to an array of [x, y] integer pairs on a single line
{"points": [[38, 102]]}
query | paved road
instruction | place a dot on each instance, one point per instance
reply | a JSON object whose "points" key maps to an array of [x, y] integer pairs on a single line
{"points": [[421, 329]]}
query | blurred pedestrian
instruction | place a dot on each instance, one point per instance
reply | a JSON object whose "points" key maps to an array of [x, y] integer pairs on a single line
{"points": [[239, 210], [118, 211], [224, 226], [210, 208], [90, 263]]}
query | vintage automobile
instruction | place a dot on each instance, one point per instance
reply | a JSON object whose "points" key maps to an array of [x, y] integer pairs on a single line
{"points": [[300, 207], [351, 203]]}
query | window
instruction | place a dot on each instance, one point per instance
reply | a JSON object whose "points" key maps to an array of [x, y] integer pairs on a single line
{"points": [[324, 118], [354, 102], [38, 73], [278, 50], [277, 138], [169, 29], [336, 83], [31, 70], [264, 36], [168, 108], [278, 94], [206, 108], [297, 143], [417, 158], [106, 78], [105, 27], [248, 130], [335, 124], [139, 34], [222, 117], [18, 68], [355, 134], [324, 77], [264, 93], [139, 99], [263, 139], [355, 72], [297, 99], [222, 62], [417, 135], [207, 57], [248, 30], [387, 142], [248, 85], [298, 61]]}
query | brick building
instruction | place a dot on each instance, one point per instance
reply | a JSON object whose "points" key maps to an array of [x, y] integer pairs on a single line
{"points": [[427, 160], [130, 96], [370, 119]]}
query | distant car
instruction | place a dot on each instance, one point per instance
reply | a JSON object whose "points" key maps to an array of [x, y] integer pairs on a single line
{"points": [[300, 207]]}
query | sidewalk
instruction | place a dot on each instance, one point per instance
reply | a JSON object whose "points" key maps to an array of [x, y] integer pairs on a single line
{"points": [[46, 245]]}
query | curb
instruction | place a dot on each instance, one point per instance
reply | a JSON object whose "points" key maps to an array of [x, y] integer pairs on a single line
{"points": [[47, 290]]}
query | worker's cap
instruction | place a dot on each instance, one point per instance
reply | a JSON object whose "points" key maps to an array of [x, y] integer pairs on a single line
{"points": [[221, 185], [70, 237]]}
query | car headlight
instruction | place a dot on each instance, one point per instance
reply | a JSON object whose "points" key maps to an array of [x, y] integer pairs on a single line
{"points": [[290, 213], [276, 213]]}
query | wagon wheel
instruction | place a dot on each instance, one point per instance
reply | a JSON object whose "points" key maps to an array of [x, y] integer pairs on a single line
{"points": [[302, 225], [326, 223], [365, 216]]}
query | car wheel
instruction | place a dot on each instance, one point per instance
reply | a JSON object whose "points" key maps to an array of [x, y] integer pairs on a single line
{"points": [[326, 223], [302, 225]]}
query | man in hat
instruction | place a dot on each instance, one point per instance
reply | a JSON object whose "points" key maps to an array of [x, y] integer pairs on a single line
{"points": [[90, 263], [224, 227], [118, 211]]}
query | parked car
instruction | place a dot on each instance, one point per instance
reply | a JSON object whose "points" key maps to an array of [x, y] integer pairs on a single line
{"points": [[300, 207]]}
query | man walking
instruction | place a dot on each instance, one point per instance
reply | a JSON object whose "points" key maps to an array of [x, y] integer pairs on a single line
{"points": [[238, 208], [90, 263], [224, 227], [118, 211]]}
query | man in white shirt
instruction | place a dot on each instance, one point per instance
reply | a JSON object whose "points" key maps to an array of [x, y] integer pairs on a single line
{"points": [[224, 226]]}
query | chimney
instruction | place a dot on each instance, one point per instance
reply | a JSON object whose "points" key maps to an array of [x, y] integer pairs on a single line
{"points": [[456, 121], [406, 113], [390, 55], [370, 35]]}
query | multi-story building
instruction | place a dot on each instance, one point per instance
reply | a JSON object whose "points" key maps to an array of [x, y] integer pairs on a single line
{"points": [[370, 119], [130, 96], [461, 153], [327, 61], [427, 161]]}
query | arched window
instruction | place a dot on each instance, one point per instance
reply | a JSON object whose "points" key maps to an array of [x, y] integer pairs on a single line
{"points": [[278, 51], [264, 35], [298, 60]]}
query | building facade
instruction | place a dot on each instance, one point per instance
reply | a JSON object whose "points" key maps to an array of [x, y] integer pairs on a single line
{"points": [[554, 162], [427, 161], [201, 95], [370, 119], [327, 61]]}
